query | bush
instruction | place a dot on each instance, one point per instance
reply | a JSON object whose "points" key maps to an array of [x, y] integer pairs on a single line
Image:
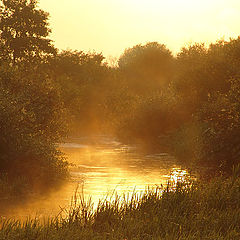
{"points": [[32, 124], [222, 117]]}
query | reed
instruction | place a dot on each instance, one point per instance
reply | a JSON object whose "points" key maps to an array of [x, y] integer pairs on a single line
{"points": [[184, 210]]}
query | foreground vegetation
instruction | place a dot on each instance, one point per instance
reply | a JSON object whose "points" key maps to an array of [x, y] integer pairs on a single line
{"points": [[190, 210]]}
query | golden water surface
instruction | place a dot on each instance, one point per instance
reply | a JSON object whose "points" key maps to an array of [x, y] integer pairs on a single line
{"points": [[100, 167]]}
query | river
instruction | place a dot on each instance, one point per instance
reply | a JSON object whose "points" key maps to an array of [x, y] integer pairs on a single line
{"points": [[100, 167]]}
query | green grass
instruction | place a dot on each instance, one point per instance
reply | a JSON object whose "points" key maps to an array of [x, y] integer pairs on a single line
{"points": [[190, 210]]}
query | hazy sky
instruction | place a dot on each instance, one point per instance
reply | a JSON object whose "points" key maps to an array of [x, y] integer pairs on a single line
{"points": [[110, 26]]}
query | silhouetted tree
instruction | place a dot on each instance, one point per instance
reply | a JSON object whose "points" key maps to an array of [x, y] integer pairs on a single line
{"points": [[23, 31], [83, 82], [147, 67], [32, 119]]}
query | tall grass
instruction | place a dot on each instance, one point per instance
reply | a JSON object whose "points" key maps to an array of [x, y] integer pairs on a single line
{"points": [[186, 210]]}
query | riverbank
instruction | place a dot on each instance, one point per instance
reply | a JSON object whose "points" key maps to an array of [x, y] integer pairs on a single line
{"points": [[190, 210]]}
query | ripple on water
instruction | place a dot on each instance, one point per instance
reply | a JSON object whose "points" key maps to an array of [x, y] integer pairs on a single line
{"points": [[103, 167]]}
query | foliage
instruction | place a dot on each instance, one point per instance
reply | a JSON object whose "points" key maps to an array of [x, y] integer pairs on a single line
{"points": [[32, 123], [153, 118], [32, 120], [197, 114], [221, 116], [211, 134], [84, 82], [147, 67], [23, 31]]}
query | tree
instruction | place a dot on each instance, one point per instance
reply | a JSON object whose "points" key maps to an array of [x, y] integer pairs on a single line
{"points": [[32, 123], [83, 80], [221, 115], [23, 31], [147, 67]]}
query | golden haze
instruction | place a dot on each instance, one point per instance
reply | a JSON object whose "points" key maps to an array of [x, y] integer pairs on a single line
{"points": [[110, 26]]}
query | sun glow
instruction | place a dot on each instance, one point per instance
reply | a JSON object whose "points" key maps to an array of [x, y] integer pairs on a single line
{"points": [[110, 26]]}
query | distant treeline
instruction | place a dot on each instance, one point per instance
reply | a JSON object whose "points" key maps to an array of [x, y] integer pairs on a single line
{"points": [[187, 104]]}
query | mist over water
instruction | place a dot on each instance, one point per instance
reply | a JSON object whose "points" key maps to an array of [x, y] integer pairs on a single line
{"points": [[101, 167], [115, 176]]}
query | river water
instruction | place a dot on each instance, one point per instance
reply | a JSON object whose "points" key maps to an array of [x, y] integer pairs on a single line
{"points": [[100, 167]]}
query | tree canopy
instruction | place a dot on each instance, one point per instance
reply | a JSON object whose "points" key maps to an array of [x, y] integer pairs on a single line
{"points": [[147, 67], [23, 31]]}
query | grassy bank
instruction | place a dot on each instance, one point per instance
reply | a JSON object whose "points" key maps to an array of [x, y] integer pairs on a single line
{"points": [[185, 211]]}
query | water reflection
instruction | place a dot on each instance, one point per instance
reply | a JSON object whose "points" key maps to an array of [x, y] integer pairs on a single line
{"points": [[178, 174], [102, 166]]}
